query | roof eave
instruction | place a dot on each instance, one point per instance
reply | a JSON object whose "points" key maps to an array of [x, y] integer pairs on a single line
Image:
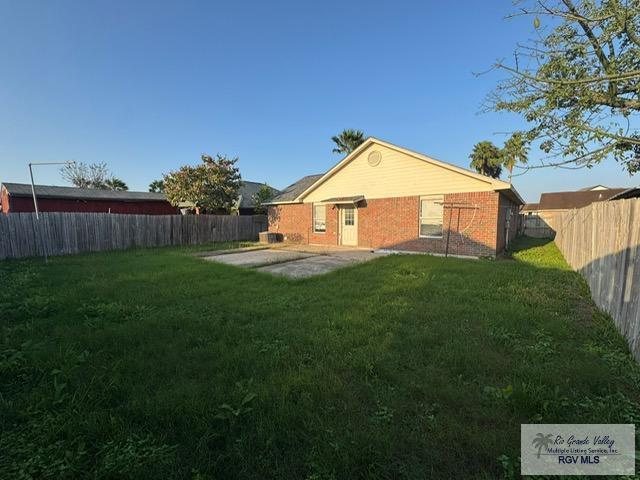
{"points": [[286, 202], [514, 192]]}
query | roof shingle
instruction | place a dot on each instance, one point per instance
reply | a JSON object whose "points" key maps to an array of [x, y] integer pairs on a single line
{"points": [[51, 191], [579, 199], [246, 193], [290, 193]]}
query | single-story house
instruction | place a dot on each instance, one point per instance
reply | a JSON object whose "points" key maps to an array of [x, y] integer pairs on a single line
{"points": [[17, 197], [382, 196], [540, 219], [246, 196]]}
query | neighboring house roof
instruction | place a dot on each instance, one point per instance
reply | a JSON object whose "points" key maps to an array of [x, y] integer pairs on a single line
{"points": [[569, 200], [246, 195], [303, 187], [633, 192], [247, 191], [75, 193], [595, 187], [531, 207], [294, 190]]}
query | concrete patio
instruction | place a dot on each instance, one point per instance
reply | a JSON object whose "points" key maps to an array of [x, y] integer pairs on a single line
{"points": [[296, 261]]}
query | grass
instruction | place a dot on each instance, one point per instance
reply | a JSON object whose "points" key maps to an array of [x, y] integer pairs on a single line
{"points": [[156, 364]]}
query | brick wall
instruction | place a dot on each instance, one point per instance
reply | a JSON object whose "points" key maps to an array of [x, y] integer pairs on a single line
{"points": [[393, 223], [295, 222]]}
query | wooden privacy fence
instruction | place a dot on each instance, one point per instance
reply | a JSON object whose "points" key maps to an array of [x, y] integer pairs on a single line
{"points": [[602, 242], [22, 235]]}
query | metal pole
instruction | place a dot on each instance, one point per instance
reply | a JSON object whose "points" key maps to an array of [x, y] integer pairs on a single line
{"points": [[33, 192], [446, 251], [35, 203]]}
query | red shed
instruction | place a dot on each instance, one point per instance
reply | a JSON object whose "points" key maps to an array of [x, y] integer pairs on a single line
{"points": [[17, 197]]}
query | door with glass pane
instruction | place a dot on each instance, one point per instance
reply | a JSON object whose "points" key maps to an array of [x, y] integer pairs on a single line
{"points": [[349, 226]]}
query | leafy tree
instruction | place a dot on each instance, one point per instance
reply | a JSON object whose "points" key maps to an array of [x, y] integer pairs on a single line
{"points": [[486, 158], [156, 186], [348, 141], [262, 196], [211, 186], [116, 184], [94, 175], [577, 82], [515, 150]]}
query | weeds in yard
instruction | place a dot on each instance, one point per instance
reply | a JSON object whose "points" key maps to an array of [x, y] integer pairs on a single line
{"points": [[135, 457], [382, 415], [510, 467], [498, 393], [429, 414], [135, 364], [96, 313], [239, 407]]}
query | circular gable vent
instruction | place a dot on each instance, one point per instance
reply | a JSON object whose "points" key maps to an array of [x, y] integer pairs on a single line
{"points": [[374, 158]]}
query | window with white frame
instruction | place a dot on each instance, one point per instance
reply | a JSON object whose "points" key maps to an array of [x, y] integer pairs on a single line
{"points": [[431, 215], [319, 218]]}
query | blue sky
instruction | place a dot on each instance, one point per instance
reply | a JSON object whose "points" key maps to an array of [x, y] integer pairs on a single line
{"points": [[149, 86]]}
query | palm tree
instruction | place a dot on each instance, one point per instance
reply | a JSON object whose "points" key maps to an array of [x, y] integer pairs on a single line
{"points": [[541, 441], [515, 151], [348, 141], [156, 186], [486, 158], [114, 183]]}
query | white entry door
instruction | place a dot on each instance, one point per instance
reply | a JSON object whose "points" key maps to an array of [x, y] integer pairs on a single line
{"points": [[349, 226]]}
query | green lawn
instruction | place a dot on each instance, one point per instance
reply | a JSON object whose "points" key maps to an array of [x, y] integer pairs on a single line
{"points": [[156, 364]]}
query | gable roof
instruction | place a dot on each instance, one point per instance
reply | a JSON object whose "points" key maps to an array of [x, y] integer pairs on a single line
{"points": [[293, 191], [247, 192], [53, 191], [304, 186], [581, 198]]}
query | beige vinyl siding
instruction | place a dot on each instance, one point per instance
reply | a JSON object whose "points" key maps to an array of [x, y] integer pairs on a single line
{"points": [[397, 175]]}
